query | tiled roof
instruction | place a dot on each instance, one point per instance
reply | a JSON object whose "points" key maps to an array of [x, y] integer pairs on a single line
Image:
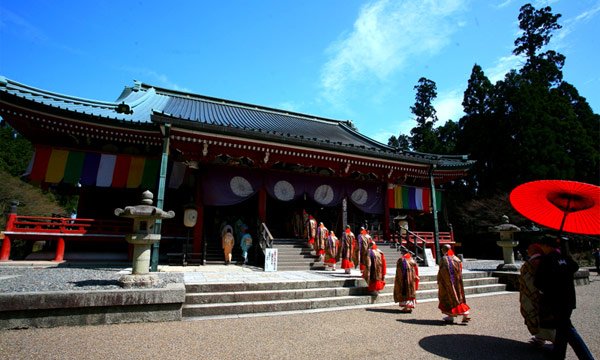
{"points": [[142, 101]]}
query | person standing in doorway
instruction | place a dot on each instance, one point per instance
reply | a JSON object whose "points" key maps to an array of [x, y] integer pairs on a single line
{"points": [[245, 243], [227, 241], [555, 281], [451, 292]]}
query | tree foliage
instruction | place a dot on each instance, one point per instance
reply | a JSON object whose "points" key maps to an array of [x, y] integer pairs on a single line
{"points": [[532, 124], [15, 151], [423, 137]]}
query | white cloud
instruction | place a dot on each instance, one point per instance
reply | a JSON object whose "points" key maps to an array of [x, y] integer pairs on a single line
{"points": [[449, 106], [386, 36], [401, 127], [504, 4], [161, 79], [502, 66], [569, 25]]}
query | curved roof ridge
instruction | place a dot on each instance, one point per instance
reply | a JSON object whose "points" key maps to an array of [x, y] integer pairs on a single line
{"points": [[216, 100], [366, 138], [67, 98]]}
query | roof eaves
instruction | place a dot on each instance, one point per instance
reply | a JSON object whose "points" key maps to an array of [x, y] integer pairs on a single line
{"points": [[162, 117]]}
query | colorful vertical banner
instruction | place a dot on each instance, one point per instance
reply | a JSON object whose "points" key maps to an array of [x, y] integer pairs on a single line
{"points": [[74, 167], [89, 173], [136, 171], [40, 163], [121, 171], [150, 175], [412, 198], [95, 169], [106, 170], [56, 166]]}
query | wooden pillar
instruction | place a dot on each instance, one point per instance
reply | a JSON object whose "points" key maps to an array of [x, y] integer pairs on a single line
{"points": [[262, 205], [60, 249], [386, 215], [199, 228], [5, 250], [12, 217], [166, 128], [436, 227], [198, 240]]}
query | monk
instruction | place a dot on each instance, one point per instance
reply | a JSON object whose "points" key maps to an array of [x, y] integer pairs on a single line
{"points": [[348, 251], [406, 283], [311, 231], [227, 241], [320, 240], [451, 292], [375, 269], [530, 297], [364, 239], [332, 246]]}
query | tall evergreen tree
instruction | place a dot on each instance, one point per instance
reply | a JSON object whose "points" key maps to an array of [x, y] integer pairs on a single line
{"points": [[423, 137], [478, 130]]}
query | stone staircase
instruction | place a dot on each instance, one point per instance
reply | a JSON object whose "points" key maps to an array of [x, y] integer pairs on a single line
{"points": [[338, 291], [294, 254]]}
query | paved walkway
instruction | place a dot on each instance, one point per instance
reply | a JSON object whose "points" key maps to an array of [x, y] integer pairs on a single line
{"points": [[496, 332], [235, 273]]}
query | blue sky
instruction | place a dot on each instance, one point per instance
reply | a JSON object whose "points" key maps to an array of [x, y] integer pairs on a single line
{"points": [[340, 59]]}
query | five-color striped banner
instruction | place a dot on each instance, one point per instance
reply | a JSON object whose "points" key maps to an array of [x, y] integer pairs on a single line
{"points": [[53, 165], [412, 198]]}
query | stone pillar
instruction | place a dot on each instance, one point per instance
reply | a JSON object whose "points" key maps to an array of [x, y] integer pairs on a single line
{"points": [[507, 243], [142, 239]]}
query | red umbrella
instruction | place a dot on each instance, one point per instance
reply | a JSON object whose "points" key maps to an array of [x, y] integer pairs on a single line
{"points": [[563, 205]]}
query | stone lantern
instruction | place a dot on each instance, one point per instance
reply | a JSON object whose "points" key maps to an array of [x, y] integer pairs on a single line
{"points": [[507, 243], [142, 238]]}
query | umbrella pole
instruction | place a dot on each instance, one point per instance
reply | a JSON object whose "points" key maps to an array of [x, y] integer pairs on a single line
{"points": [[564, 245]]}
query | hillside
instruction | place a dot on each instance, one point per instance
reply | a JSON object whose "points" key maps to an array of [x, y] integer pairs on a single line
{"points": [[32, 200]]}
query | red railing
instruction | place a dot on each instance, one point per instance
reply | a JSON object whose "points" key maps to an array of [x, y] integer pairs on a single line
{"points": [[417, 237], [39, 228], [37, 225]]}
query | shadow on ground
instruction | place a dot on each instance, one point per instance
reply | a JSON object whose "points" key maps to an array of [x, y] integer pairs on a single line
{"points": [[480, 347], [428, 322]]}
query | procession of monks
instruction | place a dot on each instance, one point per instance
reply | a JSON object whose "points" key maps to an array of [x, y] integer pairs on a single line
{"points": [[361, 252]]}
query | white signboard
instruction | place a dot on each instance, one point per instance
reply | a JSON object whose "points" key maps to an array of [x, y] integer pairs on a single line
{"points": [[429, 260], [271, 260]]}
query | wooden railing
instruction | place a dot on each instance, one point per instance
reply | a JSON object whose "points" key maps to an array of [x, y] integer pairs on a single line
{"points": [[426, 238], [24, 226], [59, 229]]}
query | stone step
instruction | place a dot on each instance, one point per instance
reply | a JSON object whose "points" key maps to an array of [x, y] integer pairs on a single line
{"points": [[342, 281], [278, 292], [344, 298]]}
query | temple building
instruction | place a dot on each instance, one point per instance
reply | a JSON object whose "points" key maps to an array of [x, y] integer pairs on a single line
{"points": [[225, 159]]}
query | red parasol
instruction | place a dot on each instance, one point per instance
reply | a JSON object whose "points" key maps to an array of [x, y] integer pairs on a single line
{"points": [[563, 205]]}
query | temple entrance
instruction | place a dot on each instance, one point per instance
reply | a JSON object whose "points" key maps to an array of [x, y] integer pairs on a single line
{"points": [[285, 220], [216, 217]]}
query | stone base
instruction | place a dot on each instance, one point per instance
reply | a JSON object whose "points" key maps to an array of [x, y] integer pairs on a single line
{"points": [[139, 281], [508, 267]]}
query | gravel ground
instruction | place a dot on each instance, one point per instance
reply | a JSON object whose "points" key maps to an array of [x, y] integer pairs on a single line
{"points": [[496, 332], [32, 279]]}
